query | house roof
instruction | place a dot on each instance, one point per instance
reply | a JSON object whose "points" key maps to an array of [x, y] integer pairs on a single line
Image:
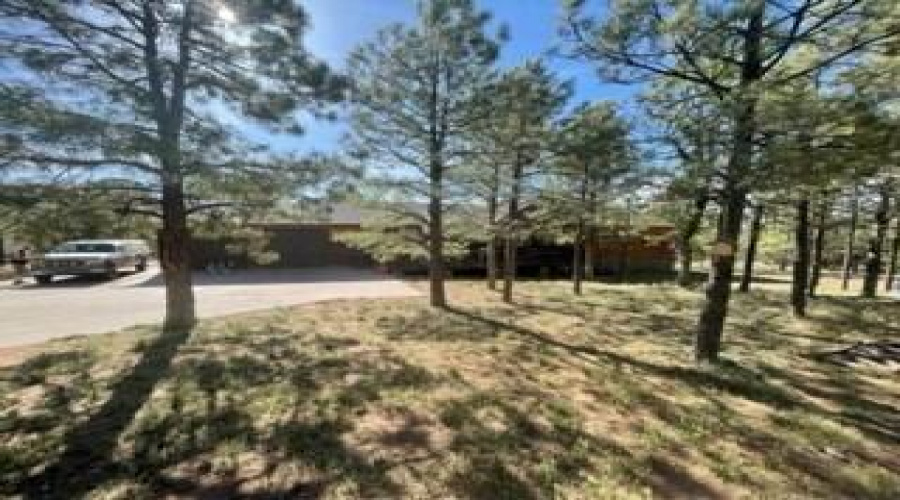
{"points": [[344, 213], [348, 214]]}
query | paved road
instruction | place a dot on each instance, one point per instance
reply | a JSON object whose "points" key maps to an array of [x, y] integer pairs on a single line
{"points": [[72, 306]]}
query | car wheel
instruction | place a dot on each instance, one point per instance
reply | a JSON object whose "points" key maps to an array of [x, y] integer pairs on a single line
{"points": [[112, 272], [141, 266], [43, 279]]}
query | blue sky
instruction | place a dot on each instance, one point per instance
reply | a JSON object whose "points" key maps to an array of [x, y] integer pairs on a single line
{"points": [[340, 25]]}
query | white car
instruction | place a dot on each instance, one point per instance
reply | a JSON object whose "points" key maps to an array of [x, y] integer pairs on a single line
{"points": [[91, 257]]}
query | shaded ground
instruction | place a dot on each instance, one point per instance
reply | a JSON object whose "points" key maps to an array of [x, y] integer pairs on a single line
{"points": [[887, 353], [591, 397]]}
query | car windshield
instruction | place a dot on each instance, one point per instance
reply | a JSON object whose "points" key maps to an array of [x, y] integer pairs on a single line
{"points": [[85, 248]]}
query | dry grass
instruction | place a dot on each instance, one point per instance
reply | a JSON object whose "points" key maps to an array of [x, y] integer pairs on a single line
{"points": [[829, 285], [556, 396]]}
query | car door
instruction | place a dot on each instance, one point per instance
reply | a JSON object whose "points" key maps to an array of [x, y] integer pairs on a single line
{"points": [[131, 254], [123, 255]]}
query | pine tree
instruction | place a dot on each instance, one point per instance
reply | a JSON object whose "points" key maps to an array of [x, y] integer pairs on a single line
{"points": [[804, 156], [524, 101], [752, 244], [148, 89], [411, 113], [735, 51], [874, 81], [593, 150], [687, 131]]}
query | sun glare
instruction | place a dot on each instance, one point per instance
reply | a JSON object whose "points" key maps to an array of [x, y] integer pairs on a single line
{"points": [[227, 14]]}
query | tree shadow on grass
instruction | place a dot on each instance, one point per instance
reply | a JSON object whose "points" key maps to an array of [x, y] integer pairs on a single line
{"points": [[315, 444], [180, 426], [535, 452], [317, 392], [774, 387], [745, 384], [849, 394], [875, 319], [87, 448], [294, 400], [433, 324], [52, 398]]}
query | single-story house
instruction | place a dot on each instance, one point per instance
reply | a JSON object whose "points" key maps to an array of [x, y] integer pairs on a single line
{"points": [[293, 244], [312, 243]]}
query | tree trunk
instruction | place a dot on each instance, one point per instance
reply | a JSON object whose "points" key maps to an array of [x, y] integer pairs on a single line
{"points": [[578, 246], [436, 142], [851, 240], [436, 269], [491, 257], [509, 257], [718, 292], [685, 240], [685, 263], [590, 240], [175, 259], [590, 253], [492, 262], [577, 253], [175, 251], [720, 221], [818, 248], [734, 195], [801, 258], [895, 249], [876, 243], [753, 240], [509, 266], [625, 257]]}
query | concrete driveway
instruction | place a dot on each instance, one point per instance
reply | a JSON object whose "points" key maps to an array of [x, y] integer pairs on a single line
{"points": [[31, 313]]}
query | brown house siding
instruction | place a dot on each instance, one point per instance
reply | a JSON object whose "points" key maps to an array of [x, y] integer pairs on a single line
{"points": [[651, 251], [613, 257], [296, 245], [313, 245]]}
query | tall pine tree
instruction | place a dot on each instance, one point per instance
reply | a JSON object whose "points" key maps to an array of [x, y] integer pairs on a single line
{"points": [[734, 50], [149, 90], [411, 112]]}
